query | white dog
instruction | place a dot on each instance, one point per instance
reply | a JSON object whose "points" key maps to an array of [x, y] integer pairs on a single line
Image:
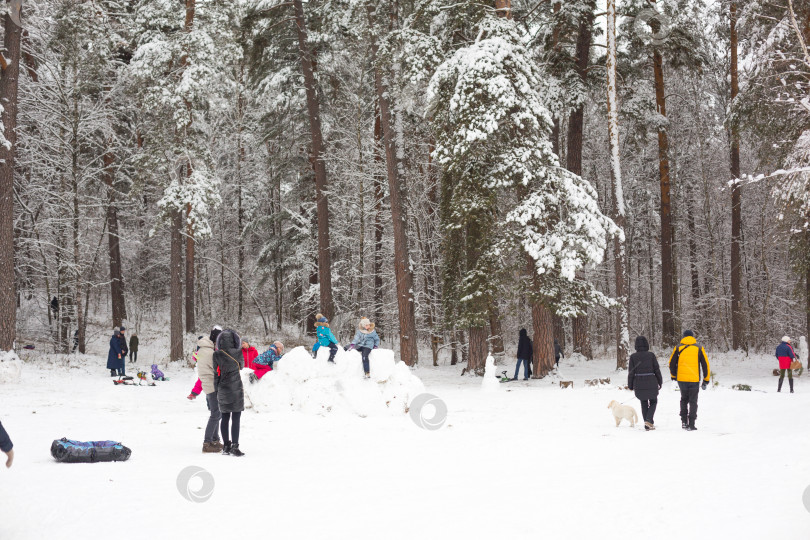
{"points": [[623, 411]]}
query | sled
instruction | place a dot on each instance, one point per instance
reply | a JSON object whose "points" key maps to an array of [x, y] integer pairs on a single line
{"points": [[65, 450], [126, 380]]}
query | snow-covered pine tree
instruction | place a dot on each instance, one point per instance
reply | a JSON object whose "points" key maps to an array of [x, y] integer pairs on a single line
{"points": [[178, 69], [493, 140]]}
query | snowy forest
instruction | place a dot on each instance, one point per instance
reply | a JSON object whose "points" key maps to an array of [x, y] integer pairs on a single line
{"points": [[454, 170]]}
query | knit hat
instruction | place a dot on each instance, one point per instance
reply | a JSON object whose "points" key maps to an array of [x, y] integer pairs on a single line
{"points": [[786, 339], [122, 328], [688, 333], [364, 321], [323, 319]]}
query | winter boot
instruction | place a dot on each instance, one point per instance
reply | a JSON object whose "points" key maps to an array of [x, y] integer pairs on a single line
{"points": [[781, 380], [113, 373], [235, 450], [217, 444], [226, 449], [648, 426], [684, 425], [790, 381], [209, 448], [691, 427]]}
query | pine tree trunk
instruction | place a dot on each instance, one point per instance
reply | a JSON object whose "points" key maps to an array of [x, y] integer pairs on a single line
{"points": [[176, 280], [190, 246], [119, 310], [737, 323], [559, 330], [404, 276], [479, 350], [667, 237], [542, 341], [503, 8], [317, 160], [620, 260], [378, 221], [8, 98], [573, 154], [495, 331], [240, 155], [693, 251]]}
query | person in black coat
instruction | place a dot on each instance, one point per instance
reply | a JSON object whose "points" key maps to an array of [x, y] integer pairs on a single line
{"points": [[124, 348], [524, 355], [228, 363], [558, 352], [644, 378], [6, 446]]}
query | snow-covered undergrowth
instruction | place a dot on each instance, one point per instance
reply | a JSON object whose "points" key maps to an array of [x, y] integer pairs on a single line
{"points": [[10, 367], [315, 386]]}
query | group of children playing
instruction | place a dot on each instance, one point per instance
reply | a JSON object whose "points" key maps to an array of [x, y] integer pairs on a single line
{"points": [[365, 340]]}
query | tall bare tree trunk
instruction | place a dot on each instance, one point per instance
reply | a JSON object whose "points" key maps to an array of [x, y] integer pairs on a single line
{"points": [[495, 331], [693, 250], [620, 260], [176, 280], [119, 309], [240, 155], [190, 246], [667, 236], [378, 222], [479, 349], [573, 154], [8, 98], [737, 323], [317, 159], [402, 270]]}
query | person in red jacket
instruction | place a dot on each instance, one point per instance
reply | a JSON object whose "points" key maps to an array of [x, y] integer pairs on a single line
{"points": [[785, 354], [249, 353]]}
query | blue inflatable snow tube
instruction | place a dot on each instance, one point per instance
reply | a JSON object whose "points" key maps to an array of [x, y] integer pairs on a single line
{"points": [[65, 450]]}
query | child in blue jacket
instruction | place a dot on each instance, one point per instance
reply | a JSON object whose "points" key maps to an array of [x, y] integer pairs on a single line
{"points": [[325, 337]]}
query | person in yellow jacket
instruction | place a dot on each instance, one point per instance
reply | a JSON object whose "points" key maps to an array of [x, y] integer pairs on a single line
{"points": [[686, 363]]}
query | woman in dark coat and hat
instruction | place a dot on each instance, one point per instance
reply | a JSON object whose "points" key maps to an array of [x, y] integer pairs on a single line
{"points": [[228, 363], [115, 361], [644, 378]]}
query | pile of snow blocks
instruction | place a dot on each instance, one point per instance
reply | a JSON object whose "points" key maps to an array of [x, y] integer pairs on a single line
{"points": [[67, 451]]}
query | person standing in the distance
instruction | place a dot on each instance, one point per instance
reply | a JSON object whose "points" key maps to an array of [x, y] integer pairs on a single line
{"points": [[228, 364], [785, 354], [644, 378], [686, 363], [75, 340], [6, 446], [558, 353], [365, 340], [115, 362], [133, 348], [206, 373], [124, 348], [525, 352]]}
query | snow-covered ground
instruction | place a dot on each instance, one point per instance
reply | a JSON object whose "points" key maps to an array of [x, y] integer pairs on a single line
{"points": [[527, 460]]}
